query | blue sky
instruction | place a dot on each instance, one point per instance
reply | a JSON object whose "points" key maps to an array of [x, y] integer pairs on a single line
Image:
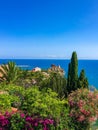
{"points": [[48, 28]]}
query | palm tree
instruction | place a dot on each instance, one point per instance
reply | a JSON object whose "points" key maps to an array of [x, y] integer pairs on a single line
{"points": [[9, 72]]}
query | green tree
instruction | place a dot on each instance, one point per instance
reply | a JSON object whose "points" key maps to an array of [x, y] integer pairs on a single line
{"points": [[82, 81], [9, 72], [69, 78], [72, 73], [56, 82]]}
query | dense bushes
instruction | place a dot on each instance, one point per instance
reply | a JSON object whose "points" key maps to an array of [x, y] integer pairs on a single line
{"points": [[83, 108], [56, 82], [43, 110], [14, 94], [21, 121], [42, 103], [46, 105], [24, 121], [41, 107], [7, 101]]}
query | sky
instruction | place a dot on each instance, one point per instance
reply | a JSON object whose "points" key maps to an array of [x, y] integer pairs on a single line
{"points": [[48, 29]]}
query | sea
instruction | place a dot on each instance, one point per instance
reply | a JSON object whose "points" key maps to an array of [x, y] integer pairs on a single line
{"points": [[90, 66]]}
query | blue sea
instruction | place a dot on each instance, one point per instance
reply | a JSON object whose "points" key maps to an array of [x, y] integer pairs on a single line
{"points": [[90, 66]]}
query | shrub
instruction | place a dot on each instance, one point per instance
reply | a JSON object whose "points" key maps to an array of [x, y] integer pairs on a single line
{"points": [[43, 103], [41, 110], [17, 121], [16, 94], [5, 102], [4, 121], [21, 121], [46, 105], [83, 108], [39, 123]]}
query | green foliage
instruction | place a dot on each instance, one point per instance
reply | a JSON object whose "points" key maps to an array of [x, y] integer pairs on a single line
{"points": [[73, 82], [8, 97], [72, 73], [74, 66], [38, 77], [5, 102], [9, 72], [47, 104], [29, 78], [12, 89], [82, 81], [56, 82], [25, 79], [17, 122], [42, 95], [83, 108], [69, 78], [16, 93], [42, 103], [65, 122]]}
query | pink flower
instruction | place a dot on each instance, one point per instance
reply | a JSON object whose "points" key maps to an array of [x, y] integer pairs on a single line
{"points": [[71, 103], [97, 96], [91, 119], [81, 118], [36, 124], [22, 115], [80, 103]]}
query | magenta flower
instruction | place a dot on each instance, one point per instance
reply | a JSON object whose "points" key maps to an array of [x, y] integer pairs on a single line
{"points": [[22, 115]]}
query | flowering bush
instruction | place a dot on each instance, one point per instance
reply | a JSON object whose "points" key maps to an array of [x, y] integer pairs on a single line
{"points": [[45, 110], [46, 104], [21, 121], [83, 107], [39, 123], [4, 121]]}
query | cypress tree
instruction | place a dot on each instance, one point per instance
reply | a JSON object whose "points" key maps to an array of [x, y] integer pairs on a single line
{"points": [[72, 73], [82, 81]]}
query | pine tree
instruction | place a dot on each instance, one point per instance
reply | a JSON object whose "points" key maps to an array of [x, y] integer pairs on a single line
{"points": [[82, 81], [72, 79]]}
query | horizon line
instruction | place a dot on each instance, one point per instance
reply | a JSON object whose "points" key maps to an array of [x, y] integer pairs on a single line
{"points": [[46, 59]]}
